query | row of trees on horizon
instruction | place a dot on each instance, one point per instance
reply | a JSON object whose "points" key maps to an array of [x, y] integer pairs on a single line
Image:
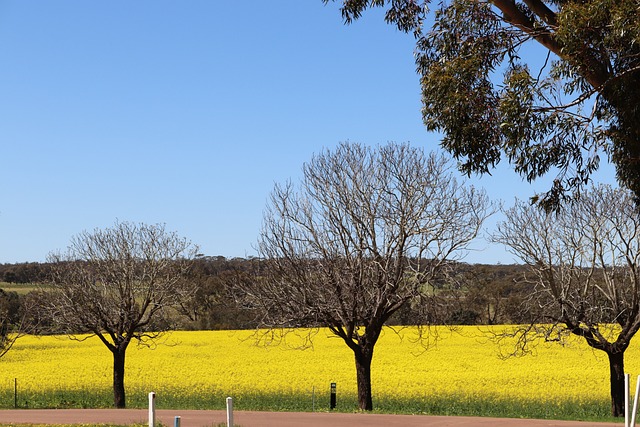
{"points": [[484, 294], [369, 237]]}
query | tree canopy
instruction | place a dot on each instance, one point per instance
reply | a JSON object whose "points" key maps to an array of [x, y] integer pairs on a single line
{"points": [[583, 273], [121, 284], [556, 113], [366, 232]]}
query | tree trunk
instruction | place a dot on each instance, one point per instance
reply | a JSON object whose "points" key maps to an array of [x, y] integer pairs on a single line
{"points": [[616, 370], [363, 377], [118, 377]]}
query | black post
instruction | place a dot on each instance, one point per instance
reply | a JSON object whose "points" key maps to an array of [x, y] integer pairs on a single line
{"points": [[332, 404], [15, 393]]}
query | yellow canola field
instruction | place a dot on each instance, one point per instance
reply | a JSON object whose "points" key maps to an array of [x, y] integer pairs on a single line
{"points": [[219, 363]]}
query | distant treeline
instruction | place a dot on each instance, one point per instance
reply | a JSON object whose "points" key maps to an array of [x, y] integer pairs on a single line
{"points": [[26, 272], [480, 294]]}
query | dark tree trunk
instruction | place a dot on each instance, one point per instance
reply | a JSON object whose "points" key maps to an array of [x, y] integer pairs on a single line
{"points": [[363, 377], [118, 378], [616, 369]]}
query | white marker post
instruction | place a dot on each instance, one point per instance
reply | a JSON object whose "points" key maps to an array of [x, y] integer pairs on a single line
{"points": [[635, 403], [229, 412], [152, 409], [626, 400]]}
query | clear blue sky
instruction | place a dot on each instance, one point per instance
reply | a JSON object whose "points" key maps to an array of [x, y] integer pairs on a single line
{"points": [[187, 112]]}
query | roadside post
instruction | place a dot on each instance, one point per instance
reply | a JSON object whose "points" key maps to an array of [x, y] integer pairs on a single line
{"points": [[332, 403], [152, 409], [229, 412]]}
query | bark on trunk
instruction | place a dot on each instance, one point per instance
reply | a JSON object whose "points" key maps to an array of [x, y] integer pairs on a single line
{"points": [[616, 370], [118, 378], [363, 377]]}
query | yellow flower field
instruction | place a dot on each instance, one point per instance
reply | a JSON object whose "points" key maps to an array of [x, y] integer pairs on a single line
{"points": [[197, 369]]}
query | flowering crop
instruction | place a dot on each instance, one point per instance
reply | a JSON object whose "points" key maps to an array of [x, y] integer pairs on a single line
{"points": [[199, 369]]}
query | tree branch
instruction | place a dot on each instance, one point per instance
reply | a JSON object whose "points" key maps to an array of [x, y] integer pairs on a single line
{"points": [[541, 10], [593, 70], [515, 17]]}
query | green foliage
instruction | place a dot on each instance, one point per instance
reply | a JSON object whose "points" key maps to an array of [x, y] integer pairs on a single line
{"points": [[486, 89]]}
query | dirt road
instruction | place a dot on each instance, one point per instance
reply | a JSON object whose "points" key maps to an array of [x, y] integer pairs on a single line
{"points": [[190, 418]]}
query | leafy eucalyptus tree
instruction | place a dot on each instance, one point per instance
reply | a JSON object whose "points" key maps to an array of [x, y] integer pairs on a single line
{"points": [[121, 284], [584, 273], [549, 85], [366, 231]]}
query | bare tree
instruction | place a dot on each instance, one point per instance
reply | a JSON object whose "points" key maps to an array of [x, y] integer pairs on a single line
{"points": [[584, 263], [120, 284], [364, 233]]}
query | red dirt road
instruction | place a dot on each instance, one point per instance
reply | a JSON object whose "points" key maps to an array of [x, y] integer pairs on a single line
{"points": [[190, 418]]}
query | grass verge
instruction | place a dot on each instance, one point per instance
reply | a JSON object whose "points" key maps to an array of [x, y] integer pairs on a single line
{"points": [[452, 405]]}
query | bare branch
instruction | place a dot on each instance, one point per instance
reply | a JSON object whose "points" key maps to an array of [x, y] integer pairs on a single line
{"points": [[365, 232], [585, 259], [120, 284]]}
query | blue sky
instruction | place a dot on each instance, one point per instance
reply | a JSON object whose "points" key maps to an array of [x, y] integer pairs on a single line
{"points": [[186, 113]]}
